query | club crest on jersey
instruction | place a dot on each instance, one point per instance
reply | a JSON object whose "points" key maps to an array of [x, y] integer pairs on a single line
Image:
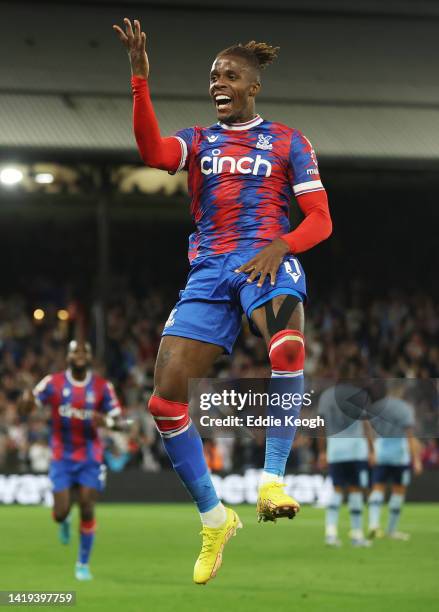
{"points": [[264, 142], [212, 138], [217, 164]]}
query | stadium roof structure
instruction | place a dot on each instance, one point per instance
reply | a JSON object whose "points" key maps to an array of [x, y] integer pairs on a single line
{"points": [[102, 125], [359, 85]]}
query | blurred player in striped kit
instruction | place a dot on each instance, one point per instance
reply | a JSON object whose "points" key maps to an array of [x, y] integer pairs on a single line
{"points": [[346, 451], [397, 454], [77, 402], [243, 171]]}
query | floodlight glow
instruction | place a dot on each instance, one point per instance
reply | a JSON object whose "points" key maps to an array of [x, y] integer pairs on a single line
{"points": [[39, 314], [11, 176], [63, 315], [44, 178]]}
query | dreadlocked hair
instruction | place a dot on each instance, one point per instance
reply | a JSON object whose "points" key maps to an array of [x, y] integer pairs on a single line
{"points": [[258, 54]]}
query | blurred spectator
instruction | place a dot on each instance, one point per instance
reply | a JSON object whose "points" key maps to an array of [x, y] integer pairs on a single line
{"points": [[114, 457], [213, 456], [430, 455], [39, 456]]}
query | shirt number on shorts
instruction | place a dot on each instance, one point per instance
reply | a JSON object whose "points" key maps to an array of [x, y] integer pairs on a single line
{"points": [[294, 273]]}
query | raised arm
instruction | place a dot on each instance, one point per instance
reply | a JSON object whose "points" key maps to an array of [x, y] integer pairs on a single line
{"points": [[156, 151]]}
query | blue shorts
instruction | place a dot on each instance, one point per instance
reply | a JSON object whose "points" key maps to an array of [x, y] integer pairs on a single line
{"points": [[349, 474], [393, 474], [211, 305], [64, 474]]}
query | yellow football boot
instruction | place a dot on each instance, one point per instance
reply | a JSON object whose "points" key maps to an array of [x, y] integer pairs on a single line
{"points": [[274, 503], [214, 540]]}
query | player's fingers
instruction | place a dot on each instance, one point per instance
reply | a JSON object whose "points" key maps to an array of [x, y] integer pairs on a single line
{"points": [[136, 29], [143, 40], [276, 268], [248, 266], [262, 278], [273, 274], [253, 275], [249, 269], [138, 35], [121, 34], [128, 29]]}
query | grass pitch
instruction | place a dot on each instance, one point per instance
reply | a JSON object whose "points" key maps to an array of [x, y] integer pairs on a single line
{"points": [[144, 556]]}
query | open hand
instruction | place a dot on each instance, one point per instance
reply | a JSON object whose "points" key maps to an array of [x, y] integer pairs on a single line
{"points": [[266, 262], [135, 43]]}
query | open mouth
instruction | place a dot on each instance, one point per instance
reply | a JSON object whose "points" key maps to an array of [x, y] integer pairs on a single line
{"points": [[223, 102]]}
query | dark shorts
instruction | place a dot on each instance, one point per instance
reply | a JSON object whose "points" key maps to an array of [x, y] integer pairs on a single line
{"points": [[210, 307], [65, 474], [392, 474], [349, 474]]}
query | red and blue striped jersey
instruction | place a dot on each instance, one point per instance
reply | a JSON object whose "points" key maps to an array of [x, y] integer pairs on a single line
{"points": [[73, 435], [241, 181]]}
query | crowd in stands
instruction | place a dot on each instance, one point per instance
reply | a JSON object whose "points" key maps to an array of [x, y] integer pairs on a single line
{"points": [[395, 335]]}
